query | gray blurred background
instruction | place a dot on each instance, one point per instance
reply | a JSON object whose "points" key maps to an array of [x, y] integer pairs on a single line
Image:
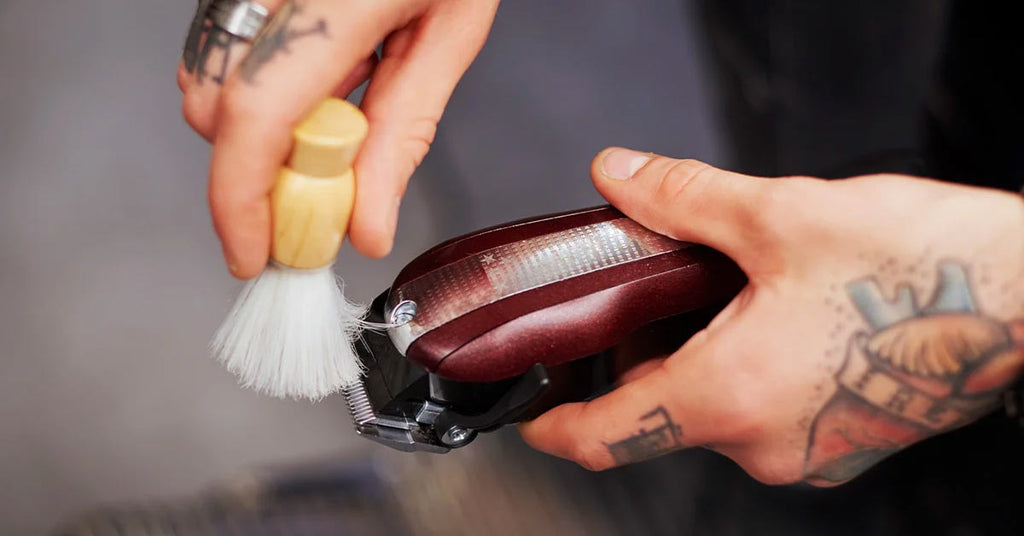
{"points": [[112, 277]]}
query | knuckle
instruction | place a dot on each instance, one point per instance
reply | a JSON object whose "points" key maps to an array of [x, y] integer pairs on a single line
{"points": [[240, 109], [413, 136], [742, 416], [196, 113], [777, 471], [679, 179], [591, 459], [781, 212], [419, 137], [240, 105], [771, 211], [236, 108], [744, 420], [783, 204]]}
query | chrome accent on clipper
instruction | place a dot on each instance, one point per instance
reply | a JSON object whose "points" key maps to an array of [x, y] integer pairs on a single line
{"points": [[454, 290]]}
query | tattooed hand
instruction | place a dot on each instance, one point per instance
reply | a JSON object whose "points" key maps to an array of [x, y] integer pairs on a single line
{"points": [[879, 311], [245, 100]]}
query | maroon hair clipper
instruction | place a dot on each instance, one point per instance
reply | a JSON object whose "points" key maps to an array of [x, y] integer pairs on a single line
{"points": [[497, 326]]}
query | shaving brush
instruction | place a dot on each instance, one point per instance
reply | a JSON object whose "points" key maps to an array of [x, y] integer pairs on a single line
{"points": [[291, 331]]}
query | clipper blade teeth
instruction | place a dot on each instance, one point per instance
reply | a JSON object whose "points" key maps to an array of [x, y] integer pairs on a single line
{"points": [[358, 404]]}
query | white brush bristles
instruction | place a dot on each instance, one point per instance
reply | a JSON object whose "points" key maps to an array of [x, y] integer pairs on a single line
{"points": [[291, 334]]}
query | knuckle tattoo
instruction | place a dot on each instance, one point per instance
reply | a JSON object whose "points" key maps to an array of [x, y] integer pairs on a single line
{"points": [[657, 434]]}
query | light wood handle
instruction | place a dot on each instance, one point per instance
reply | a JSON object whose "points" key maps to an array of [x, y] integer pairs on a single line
{"points": [[313, 197]]}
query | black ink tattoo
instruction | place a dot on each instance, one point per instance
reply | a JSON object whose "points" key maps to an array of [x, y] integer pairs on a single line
{"points": [[917, 371], [220, 40], [195, 34], [664, 436], [275, 38], [203, 40]]}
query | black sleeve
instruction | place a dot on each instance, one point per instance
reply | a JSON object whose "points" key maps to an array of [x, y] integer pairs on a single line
{"points": [[974, 119]]}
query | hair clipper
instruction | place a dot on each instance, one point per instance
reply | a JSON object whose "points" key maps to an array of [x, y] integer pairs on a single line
{"points": [[497, 326]]}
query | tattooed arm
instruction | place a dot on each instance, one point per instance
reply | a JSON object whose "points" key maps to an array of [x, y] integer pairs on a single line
{"points": [[880, 311], [245, 99]]}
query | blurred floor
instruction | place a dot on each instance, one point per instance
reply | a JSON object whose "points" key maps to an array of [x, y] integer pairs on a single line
{"points": [[111, 275]]}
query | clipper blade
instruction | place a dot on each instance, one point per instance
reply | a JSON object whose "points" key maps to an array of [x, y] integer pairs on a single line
{"points": [[358, 404]]}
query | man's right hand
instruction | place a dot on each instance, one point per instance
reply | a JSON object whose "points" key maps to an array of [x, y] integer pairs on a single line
{"points": [[245, 98]]}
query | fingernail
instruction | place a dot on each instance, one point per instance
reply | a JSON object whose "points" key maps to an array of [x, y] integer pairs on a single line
{"points": [[621, 164]]}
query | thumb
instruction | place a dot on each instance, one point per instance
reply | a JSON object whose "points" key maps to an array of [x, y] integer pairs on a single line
{"points": [[689, 200]]}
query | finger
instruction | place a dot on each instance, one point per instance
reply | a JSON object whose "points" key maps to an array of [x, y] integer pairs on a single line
{"points": [[689, 200], [202, 83], [361, 73], [217, 54], [636, 370], [645, 349], [419, 69], [200, 104], [278, 83], [634, 422], [690, 399]]}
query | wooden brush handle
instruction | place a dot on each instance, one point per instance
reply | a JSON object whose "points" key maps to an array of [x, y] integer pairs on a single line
{"points": [[313, 197]]}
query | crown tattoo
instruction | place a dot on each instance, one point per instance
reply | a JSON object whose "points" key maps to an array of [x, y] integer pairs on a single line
{"points": [[952, 295]]}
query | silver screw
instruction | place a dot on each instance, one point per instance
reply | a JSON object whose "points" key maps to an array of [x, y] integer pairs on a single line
{"points": [[403, 313], [457, 435]]}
